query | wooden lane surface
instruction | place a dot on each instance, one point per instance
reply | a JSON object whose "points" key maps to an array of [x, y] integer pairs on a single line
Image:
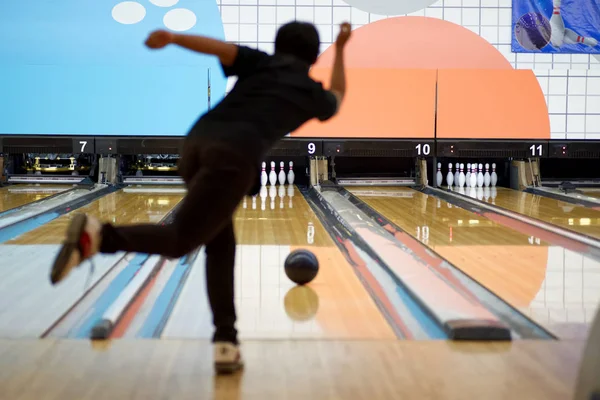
{"points": [[10, 199], [556, 287], [333, 306], [591, 192], [566, 215], [118, 207], [349, 370]]}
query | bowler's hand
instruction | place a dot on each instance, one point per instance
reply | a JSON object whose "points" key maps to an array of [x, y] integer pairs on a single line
{"points": [[159, 39], [344, 35]]}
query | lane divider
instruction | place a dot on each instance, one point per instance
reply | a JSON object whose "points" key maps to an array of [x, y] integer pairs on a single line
{"points": [[109, 295], [164, 304], [21, 227], [103, 328]]}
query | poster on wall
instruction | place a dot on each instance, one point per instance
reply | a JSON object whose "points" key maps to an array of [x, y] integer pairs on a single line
{"points": [[556, 26]]}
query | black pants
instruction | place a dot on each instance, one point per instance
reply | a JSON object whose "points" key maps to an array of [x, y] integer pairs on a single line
{"points": [[217, 178]]}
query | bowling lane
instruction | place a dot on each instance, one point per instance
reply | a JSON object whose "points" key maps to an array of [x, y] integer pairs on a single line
{"points": [[556, 287], [269, 306], [28, 303], [592, 192], [566, 215], [19, 195], [120, 207]]}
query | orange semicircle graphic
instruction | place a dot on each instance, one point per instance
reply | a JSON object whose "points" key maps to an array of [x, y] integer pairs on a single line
{"points": [[392, 69]]}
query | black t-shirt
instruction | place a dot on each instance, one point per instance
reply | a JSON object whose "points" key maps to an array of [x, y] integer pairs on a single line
{"points": [[274, 96]]}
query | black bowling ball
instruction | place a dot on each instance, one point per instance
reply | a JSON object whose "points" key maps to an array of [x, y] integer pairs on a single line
{"points": [[301, 266]]}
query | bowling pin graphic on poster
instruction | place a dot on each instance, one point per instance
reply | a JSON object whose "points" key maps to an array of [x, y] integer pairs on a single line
{"points": [[272, 174], [449, 176], [573, 38], [439, 177], [264, 178], [281, 173], [557, 25]]}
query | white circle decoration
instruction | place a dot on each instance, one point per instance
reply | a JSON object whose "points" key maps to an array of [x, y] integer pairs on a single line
{"points": [[180, 19], [164, 3], [128, 12], [390, 7]]}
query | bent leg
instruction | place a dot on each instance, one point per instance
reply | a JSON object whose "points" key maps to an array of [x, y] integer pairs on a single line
{"points": [[220, 261], [213, 195]]}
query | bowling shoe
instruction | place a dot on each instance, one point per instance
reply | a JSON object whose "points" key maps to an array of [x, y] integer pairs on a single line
{"points": [[227, 357], [81, 243]]}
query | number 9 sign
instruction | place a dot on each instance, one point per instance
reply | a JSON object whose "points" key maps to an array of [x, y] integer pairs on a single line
{"points": [[312, 148]]}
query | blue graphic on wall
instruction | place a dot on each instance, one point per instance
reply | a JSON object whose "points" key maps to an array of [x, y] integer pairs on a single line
{"points": [[80, 67], [556, 26]]}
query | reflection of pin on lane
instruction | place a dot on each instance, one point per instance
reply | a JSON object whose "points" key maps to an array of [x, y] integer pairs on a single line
{"points": [[132, 12], [573, 38]]}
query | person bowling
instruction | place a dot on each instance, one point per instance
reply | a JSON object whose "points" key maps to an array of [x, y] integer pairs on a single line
{"points": [[274, 95]]}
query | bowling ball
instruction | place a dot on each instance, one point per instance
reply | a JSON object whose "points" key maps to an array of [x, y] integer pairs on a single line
{"points": [[301, 266]]}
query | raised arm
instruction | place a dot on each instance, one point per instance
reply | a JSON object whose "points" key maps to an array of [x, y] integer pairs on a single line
{"points": [[338, 75], [226, 52]]}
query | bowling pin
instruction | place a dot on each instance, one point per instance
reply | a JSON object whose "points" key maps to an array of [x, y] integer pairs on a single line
{"points": [[281, 194], [290, 193], [473, 177], [468, 175], [450, 176], [486, 177], [245, 203], [281, 173], [573, 38], [480, 176], [272, 195], [264, 178], [439, 177], [456, 173], [273, 174], [263, 197], [291, 175], [461, 176], [494, 178], [557, 25]]}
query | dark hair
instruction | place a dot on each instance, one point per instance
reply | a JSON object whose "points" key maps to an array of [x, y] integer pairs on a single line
{"points": [[299, 39]]}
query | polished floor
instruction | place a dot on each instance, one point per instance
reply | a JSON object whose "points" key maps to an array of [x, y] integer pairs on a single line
{"points": [[328, 340], [292, 370], [17, 196], [566, 215], [558, 288]]}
